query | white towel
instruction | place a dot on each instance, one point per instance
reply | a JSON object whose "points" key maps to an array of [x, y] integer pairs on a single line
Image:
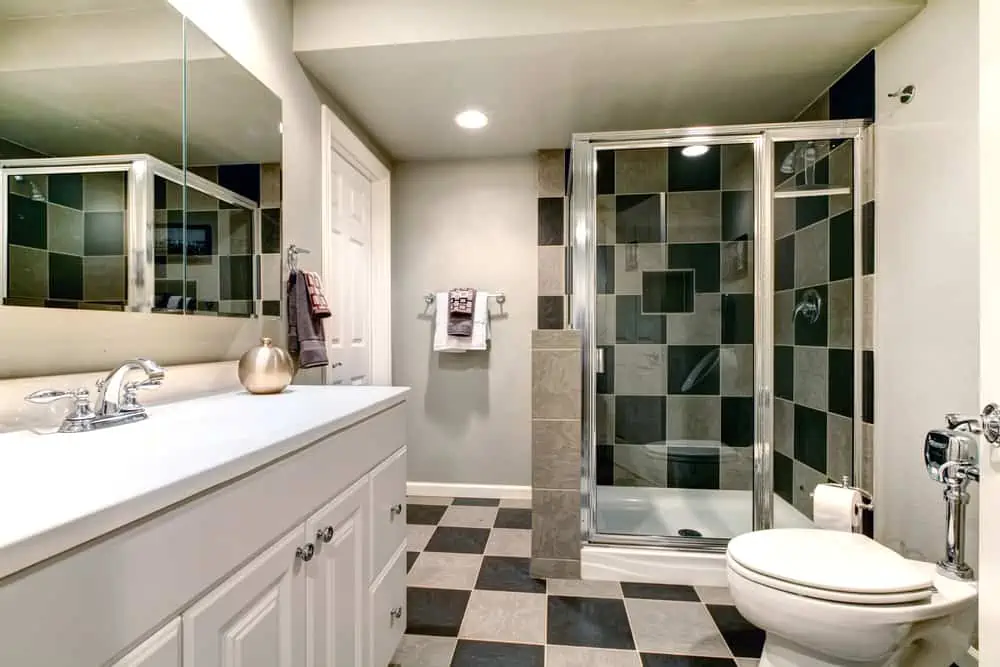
{"points": [[481, 333]]}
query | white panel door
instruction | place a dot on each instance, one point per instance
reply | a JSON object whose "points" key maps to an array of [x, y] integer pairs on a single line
{"points": [[337, 582], [347, 273], [256, 618], [163, 649]]}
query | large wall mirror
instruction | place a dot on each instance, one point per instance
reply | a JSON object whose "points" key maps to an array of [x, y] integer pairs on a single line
{"points": [[139, 167]]}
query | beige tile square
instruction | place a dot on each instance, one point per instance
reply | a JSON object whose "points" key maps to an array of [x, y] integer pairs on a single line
{"points": [[811, 373], [642, 170], [868, 312], [467, 516], [418, 535], [605, 419], [424, 651], [104, 278], [714, 594], [737, 264], [555, 454], [445, 570], [839, 447], [784, 313], [842, 165], [812, 248], [509, 542], [28, 272], [556, 339], [551, 270], [747, 662], [555, 524], [841, 318], [605, 319], [736, 370], [634, 258], [804, 480], [694, 418], [552, 173], [678, 628], [503, 616], [634, 466], [579, 656], [590, 588], [784, 217], [65, 230], [784, 427], [737, 167], [702, 327], [200, 201], [104, 191], [563, 568], [556, 384], [607, 219], [641, 370], [270, 185], [694, 217], [736, 468], [516, 503]]}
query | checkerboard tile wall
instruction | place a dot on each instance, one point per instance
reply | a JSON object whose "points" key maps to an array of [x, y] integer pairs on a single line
{"points": [[471, 602]]}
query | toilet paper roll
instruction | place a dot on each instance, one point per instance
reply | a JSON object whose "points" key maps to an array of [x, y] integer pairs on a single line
{"points": [[836, 508]]}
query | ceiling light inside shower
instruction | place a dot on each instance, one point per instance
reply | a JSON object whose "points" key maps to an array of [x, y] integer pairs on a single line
{"points": [[472, 119], [695, 150]]}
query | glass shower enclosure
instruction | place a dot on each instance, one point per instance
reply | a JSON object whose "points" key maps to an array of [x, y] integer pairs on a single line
{"points": [[716, 286]]}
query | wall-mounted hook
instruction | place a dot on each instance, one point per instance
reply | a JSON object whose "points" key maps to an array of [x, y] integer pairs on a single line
{"points": [[905, 94]]}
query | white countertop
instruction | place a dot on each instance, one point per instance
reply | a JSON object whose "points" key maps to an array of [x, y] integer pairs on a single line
{"points": [[58, 490]]}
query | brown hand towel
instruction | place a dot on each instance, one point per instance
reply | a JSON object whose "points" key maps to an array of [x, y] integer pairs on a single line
{"points": [[461, 303], [306, 338], [318, 305]]}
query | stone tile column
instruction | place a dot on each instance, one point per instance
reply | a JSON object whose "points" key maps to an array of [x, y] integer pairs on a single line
{"points": [[556, 376]]}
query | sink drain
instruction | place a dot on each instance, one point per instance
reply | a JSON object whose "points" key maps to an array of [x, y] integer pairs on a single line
{"points": [[689, 532]]}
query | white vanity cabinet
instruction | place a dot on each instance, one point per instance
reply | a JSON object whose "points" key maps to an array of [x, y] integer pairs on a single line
{"points": [[299, 563]]}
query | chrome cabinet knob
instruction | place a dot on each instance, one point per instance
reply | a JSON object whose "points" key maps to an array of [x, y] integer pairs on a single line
{"points": [[305, 552], [395, 510], [325, 534], [395, 614]]}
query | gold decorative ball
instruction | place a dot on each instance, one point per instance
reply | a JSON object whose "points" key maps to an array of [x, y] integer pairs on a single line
{"points": [[265, 368]]}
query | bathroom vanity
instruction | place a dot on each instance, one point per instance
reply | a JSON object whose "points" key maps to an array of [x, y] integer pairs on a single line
{"points": [[228, 530]]}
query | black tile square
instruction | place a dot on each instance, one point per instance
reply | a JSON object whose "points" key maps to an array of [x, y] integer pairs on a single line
{"points": [[426, 515], [809, 210], [693, 369], [783, 483], [853, 95], [65, 276], [737, 421], [810, 437], [745, 640], [704, 258], [26, 222], [411, 558], [868, 238], [868, 387], [469, 653], [435, 611], [271, 308], [840, 382], [568, 266], [639, 218], [820, 175], [660, 660], [550, 312], [506, 573], [606, 380], [103, 234], [703, 172], [513, 517], [477, 502], [605, 172], [668, 291], [784, 372], [841, 260], [781, 150], [236, 277], [242, 179], [640, 420], [631, 326], [605, 269], [692, 467], [451, 539], [784, 263], [551, 226], [66, 190], [159, 192], [813, 333], [605, 464], [737, 319], [593, 622], [659, 592], [270, 230], [737, 215]]}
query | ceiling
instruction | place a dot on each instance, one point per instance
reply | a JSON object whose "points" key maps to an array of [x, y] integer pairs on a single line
{"points": [[23, 9], [406, 83]]}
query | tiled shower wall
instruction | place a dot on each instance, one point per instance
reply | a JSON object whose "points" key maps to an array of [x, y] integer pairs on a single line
{"points": [[554, 261], [66, 240]]}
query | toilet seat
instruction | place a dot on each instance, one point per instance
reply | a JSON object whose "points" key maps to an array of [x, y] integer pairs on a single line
{"points": [[828, 565]]}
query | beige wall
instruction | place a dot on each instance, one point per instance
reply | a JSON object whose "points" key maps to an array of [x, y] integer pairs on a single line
{"points": [[466, 224]]}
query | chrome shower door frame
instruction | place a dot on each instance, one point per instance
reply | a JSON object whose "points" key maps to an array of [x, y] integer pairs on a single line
{"points": [[583, 226]]}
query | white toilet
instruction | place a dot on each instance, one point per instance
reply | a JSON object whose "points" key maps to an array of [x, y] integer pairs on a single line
{"points": [[836, 599]]}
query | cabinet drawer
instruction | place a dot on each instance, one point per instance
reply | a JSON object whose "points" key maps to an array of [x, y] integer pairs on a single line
{"points": [[388, 610], [388, 509]]}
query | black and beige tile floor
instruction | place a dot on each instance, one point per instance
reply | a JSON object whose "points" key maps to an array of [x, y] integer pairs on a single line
{"points": [[472, 602]]}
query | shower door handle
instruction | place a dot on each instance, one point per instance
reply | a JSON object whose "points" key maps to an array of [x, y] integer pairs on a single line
{"points": [[599, 365]]}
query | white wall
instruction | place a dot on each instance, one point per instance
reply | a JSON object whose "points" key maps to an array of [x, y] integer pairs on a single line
{"points": [[927, 262], [466, 224]]}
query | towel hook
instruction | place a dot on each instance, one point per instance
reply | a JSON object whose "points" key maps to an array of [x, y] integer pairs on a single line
{"points": [[293, 256]]}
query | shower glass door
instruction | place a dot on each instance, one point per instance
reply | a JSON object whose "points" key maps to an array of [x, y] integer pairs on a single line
{"points": [[674, 329]]}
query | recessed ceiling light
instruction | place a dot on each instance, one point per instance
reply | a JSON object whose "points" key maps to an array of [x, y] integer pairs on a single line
{"points": [[472, 119], [694, 150]]}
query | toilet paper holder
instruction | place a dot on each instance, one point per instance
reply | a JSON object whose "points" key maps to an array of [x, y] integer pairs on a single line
{"points": [[867, 502]]}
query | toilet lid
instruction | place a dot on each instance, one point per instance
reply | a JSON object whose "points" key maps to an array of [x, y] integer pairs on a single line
{"points": [[828, 560]]}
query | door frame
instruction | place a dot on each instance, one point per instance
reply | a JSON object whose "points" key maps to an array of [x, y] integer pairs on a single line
{"points": [[338, 136]]}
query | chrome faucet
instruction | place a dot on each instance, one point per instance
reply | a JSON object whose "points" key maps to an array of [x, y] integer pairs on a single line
{"points": [[117, 401]]}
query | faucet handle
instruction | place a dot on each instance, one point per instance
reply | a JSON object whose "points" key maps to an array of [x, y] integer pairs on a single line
{"points": [[81, 413], [130, 401]]}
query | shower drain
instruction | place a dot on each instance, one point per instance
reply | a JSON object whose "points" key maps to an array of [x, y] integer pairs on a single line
{"points": [[689, 532]]}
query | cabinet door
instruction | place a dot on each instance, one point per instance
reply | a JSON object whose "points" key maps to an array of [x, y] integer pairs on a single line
{"points": [[256, 618], [337, 582], [163, 649]]}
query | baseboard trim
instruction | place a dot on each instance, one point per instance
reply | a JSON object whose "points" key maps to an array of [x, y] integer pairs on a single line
{"points": [[503, 491]]}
